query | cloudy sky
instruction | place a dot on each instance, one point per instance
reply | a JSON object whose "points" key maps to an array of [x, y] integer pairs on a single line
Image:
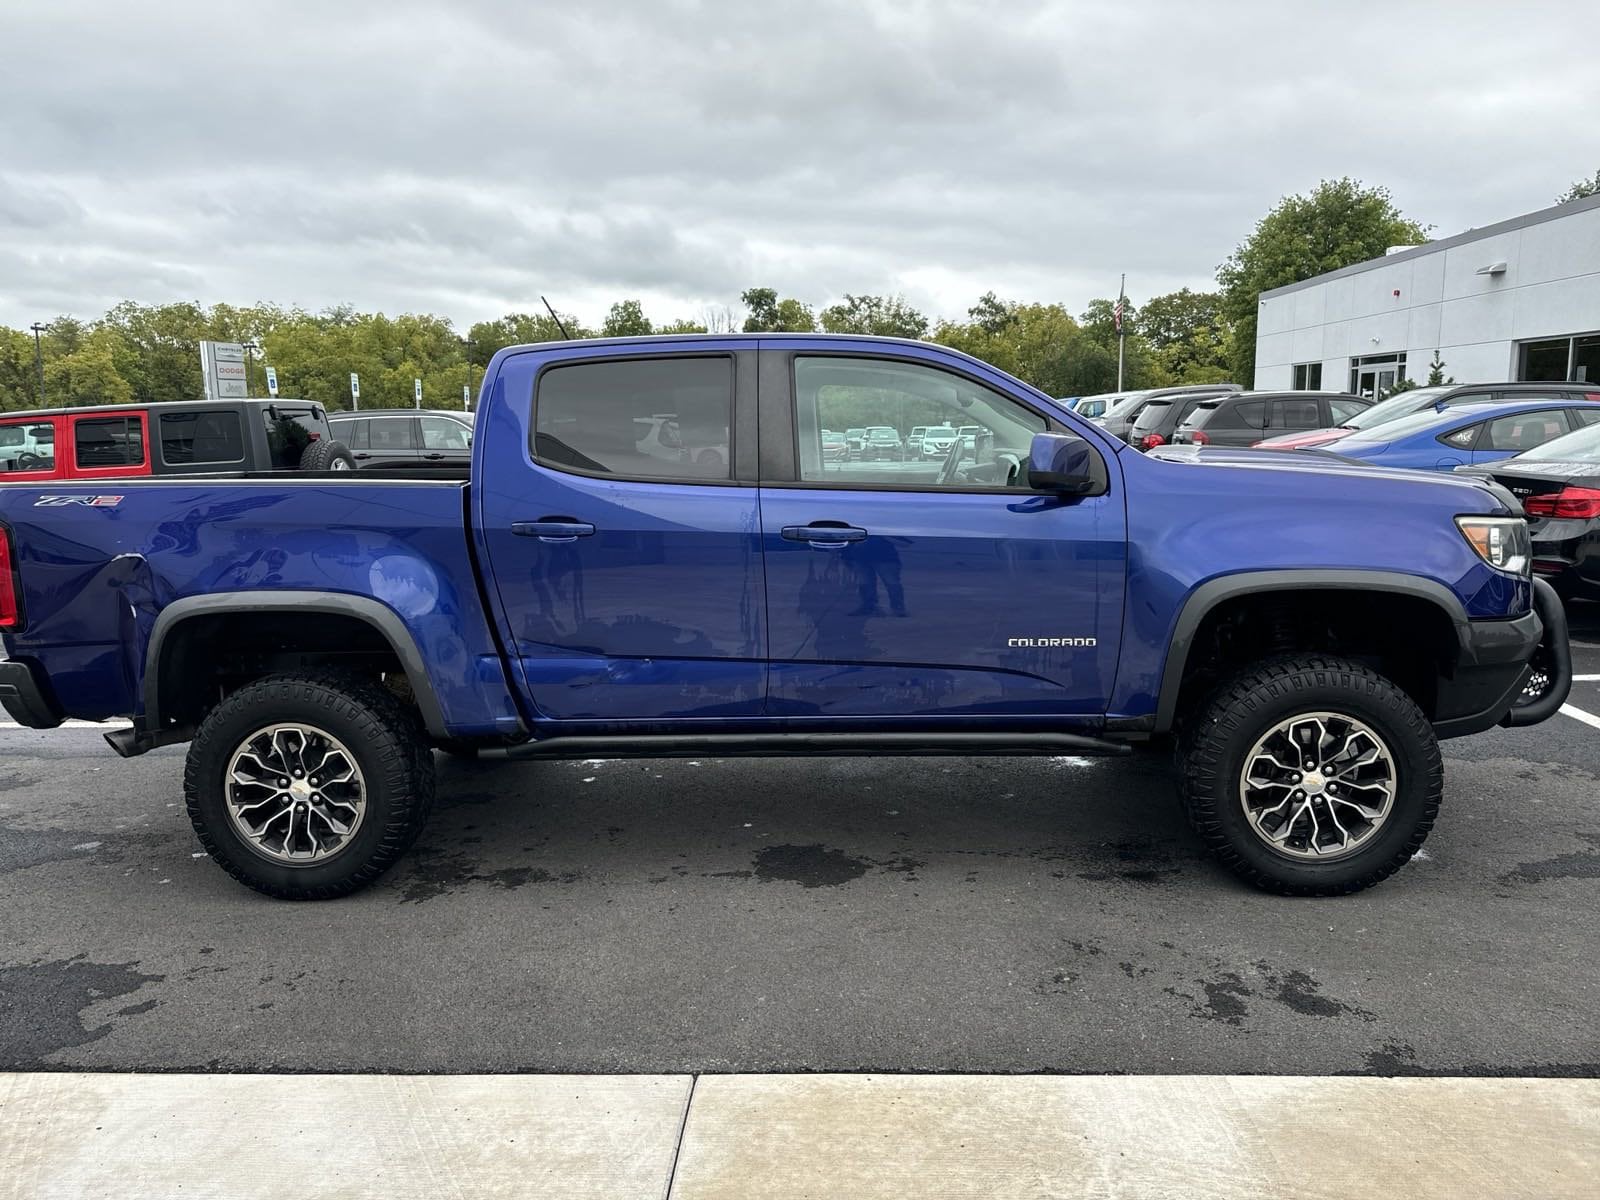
{"points": [[463, 156]]}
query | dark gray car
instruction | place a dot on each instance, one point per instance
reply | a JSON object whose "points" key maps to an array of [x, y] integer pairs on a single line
{"points": [[1245, 418], [404, 437], [1119, 419]]}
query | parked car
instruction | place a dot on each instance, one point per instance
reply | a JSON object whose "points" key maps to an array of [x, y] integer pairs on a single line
{"points": [[834, 447], [408, 437], [882, 443], [1160, 419], [311, 638], [937, 440], [1243, 418], [1558, 485], [855, 441], [1119, 419], [1466, 434], [914, 441], [199, 437], [1437, 398]]}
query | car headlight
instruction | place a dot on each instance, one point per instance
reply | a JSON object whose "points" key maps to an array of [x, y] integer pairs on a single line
{"points": [[1502, 542]]}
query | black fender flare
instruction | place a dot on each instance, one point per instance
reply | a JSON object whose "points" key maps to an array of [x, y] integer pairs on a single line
{"points": [[1203, 599], [371, 612]]}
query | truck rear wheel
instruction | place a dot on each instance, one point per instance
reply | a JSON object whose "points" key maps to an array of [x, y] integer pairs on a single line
{"points": [[1311, 776], [308, 786]]}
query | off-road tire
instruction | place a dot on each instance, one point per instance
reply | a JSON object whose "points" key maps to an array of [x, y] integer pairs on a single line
{"points": [[326, 455], [380, 732], [1241, 710]]}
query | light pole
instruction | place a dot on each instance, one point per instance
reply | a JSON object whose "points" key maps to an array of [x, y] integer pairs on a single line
{"points": [[249, 349], [38, 357]]}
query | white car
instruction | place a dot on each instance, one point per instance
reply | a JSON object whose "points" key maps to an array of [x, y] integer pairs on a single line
{"points": [[27, 447]]}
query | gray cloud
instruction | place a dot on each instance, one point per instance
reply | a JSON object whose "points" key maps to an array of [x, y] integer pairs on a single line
{"points": [[464, 157]]}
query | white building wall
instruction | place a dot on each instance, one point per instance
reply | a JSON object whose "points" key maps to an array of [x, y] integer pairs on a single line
{"points": [[1436, 299]]}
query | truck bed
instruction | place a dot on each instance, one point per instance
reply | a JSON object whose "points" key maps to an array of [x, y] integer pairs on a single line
{"points": [[134, 547]]}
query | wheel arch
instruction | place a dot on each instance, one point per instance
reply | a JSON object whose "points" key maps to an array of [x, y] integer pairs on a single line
{"points": [[1214, 594], [373, 614]]}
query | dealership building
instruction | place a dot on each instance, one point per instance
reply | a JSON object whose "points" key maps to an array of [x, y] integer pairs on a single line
{"points": [[1517, 300]]}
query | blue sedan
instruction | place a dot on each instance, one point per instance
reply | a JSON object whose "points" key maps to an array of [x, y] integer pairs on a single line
{"points": [[1468, 434]]}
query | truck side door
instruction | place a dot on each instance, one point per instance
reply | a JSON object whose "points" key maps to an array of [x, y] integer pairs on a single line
{"points": [[109, 446], [619, 526], [934, 587]]}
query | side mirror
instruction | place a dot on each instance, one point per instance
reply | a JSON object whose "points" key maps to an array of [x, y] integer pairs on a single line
{"points": [[1060, 462]]}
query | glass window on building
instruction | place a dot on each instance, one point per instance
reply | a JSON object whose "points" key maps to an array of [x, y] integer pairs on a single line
{"points": [[1308, 377], [1546, 361], [1552, 360], [1375, 375]]}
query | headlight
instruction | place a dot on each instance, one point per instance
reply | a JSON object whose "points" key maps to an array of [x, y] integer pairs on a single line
{"points": [[1502, 542]]}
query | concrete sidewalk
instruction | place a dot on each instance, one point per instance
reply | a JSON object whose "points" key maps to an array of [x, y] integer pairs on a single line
{"points": [[302, 1137]]}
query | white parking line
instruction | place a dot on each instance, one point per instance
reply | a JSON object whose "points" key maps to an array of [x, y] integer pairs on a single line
{"points": [[1585, 678], [1577, 714]]}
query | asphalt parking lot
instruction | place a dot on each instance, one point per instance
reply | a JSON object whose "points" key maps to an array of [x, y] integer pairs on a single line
{"points": [[840, 915]]}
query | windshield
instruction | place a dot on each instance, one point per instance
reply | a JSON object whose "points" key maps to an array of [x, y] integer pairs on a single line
{"points": [[1395, 406], [1151, 415], [1582, 446], [1201, 413]]}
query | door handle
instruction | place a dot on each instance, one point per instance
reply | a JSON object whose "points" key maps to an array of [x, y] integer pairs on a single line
{"points": [[824, 535], [553, 529], [363, 454], [433, 456]]}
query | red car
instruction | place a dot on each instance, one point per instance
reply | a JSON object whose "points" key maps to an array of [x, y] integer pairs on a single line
{"points": [[1440, 398]]}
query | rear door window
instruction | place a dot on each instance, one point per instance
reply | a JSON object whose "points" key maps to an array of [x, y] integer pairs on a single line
{"points": [[666, 418], [27, 446], [1524, 431], [100, 442], [445, 433], [1340, 411], [1246, 414], [1295, 414], [392, 434], [201, 437]]}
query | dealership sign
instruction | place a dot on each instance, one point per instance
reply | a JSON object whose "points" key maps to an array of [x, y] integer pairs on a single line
{"points": [[222, 367]]}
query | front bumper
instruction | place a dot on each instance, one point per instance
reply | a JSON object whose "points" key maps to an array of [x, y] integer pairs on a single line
{"points": [[27, 698], [1515, 672]]}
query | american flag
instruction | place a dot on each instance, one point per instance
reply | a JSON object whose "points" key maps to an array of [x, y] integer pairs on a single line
{"points": [[1116, 314]]}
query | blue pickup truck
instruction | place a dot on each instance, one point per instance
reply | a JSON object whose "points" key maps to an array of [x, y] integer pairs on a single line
{"points": [[652, 555]]}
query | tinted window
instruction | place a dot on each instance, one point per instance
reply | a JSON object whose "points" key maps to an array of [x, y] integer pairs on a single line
{"points": [[665, 418], [1151, 416], [1524, 431], [1295, 414], [1246, 414], [1462, 439], [110, 442], [289, 432], [976, 438], [1344, 410], [1202, 412], [351, 433], [201, 437], [392, 433], [1584, 416], [442, 433]]}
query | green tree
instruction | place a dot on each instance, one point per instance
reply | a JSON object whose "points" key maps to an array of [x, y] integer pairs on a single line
{"points": [[88, 374], [626, 319], [768, 314], [682, 325], [884, 316], [1581, 189], [1339, 223], [1191, 337], [1436, 375]]}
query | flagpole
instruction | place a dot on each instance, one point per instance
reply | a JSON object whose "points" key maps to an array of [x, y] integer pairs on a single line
{"points": [[1122, 289]]}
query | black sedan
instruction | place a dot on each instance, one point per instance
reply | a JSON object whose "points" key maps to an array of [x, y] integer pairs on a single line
{"points": [[1558, 485]]}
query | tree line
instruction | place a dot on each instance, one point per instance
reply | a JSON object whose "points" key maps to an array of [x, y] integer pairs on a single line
{"points": [[149, 353]]}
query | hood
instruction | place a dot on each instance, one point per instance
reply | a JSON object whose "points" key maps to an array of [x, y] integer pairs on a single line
{"points": [[1326, 464]]}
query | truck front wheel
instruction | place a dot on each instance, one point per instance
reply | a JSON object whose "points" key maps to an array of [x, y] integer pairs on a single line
{"points": [[308, 786], [1311, 776]]}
